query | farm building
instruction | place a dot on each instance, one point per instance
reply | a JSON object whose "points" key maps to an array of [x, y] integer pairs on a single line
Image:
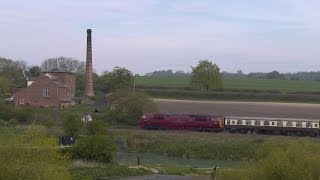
{"points": [[54, 88]]}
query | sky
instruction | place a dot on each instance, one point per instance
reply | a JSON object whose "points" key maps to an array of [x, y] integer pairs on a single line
{"points": [[148, 35]]}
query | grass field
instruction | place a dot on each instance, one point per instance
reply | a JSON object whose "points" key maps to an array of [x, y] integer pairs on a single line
{"points": [[229, 83]]}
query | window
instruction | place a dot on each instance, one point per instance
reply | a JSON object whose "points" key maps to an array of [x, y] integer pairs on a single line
{"points": [[309, 124], [289, 123], [316, 125], [228, 121], [272, 123], [21, 101], [299, 124], [257, 123], [46, 92], [266, 123], [248, 123], [158, 117]]}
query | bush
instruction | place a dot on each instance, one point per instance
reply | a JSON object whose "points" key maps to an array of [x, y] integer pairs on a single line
{"points": [[97, 148], [97, 127], [282, 159], [30, 154], [72, 125], [6, 111], [130, 110], [22, 115]]}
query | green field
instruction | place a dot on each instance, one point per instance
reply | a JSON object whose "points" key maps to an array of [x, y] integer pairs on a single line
{"points": [[229, 83]]}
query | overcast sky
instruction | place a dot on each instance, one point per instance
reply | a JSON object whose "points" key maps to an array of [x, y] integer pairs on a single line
{"points": [[147, 35]]}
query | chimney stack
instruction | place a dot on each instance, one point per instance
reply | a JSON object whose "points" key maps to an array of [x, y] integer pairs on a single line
{"points": [[89, 79]]}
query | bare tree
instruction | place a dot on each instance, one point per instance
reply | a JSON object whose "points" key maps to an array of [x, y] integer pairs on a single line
{"points": [[64, 63]]}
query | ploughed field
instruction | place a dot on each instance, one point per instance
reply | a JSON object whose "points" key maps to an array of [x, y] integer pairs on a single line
{"points": [[246, 109]]}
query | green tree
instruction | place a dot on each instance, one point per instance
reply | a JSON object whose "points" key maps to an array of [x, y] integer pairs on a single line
{"points": [[31, 154], [4, 85], [13, 71], [97, 148], [118, 78], [72, 125], [206, 75], [132, 107], [34, 71]]}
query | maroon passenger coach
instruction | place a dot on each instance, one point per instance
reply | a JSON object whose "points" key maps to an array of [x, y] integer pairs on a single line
{"points": [[206, 123]]}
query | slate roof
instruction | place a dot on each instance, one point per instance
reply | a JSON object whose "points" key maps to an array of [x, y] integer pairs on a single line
{"points": [[56, 70]]}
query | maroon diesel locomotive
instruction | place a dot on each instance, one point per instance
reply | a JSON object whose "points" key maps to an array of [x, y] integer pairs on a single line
{"points": [[206, 123], [232, 124]]}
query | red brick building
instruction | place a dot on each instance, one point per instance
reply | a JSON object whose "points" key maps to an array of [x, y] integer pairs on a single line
{"points": [[55, 88]]}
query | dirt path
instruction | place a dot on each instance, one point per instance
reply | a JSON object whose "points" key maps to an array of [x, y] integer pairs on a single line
{"points": [[229, 108]]}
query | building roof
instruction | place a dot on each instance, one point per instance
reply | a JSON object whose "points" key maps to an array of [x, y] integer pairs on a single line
{"points": [[56, 70], [32, 78]]}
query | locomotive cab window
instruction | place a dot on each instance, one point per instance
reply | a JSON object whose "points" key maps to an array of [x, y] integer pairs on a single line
{"points": [[159, 117]]}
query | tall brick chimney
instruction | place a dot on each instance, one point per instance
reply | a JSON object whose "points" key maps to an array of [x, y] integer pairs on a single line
{"points": [[89, 80]]}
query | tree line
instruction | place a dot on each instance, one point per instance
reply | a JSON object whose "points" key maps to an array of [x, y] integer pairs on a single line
{"points": [[205, 75]]}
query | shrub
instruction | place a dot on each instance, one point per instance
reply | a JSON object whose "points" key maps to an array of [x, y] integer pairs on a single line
{"points": [[30, 154], [97, 148], [97, 127], [23, 114], [6, 111], [130, 110], [290, 159], [72, 125]]}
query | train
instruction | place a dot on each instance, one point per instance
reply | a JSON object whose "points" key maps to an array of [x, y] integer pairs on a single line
{"points": [[231, 124]]}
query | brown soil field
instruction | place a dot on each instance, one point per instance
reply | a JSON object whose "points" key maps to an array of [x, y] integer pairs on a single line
{"points": [[246, 109]]}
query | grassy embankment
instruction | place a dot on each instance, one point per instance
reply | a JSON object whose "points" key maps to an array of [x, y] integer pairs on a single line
{"points": [[259, 157], [194, 145], [246, 89]]}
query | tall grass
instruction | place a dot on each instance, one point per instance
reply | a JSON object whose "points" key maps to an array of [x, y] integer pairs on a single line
{"points": [[192, 144]]}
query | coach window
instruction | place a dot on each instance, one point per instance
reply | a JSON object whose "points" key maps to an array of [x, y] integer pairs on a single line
{"points": [[257, 123], [266, 123], [228, 121], [316, 125], [248, 123], [299, 124], [272, 123], [289, 123], [309, 124], [233, 122]]}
